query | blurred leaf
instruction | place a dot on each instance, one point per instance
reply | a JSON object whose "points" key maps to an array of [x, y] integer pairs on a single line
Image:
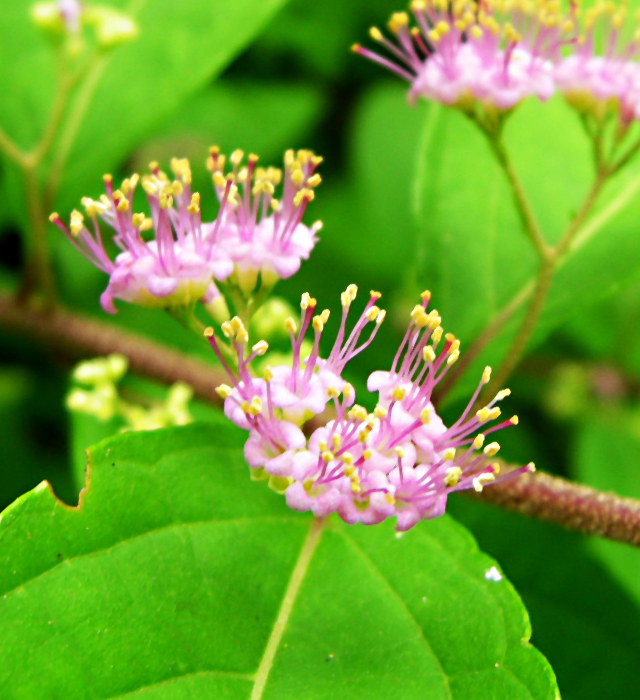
{"points": [[607, 457], [583, 621], [170, 575], [473, 253], [179, 49]]}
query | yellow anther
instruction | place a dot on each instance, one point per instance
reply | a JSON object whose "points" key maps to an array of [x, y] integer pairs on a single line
{"points": [[347, 457], [275, 205], [381, 316], [194, 205], [123, 205], [398, 21], [328, 456], [146, 224], [349, 471], [166, 200], [267, 374], [246, 408], [76, 222], [355, 485], [476, 32], [492, 449], [336, 441], [452, 476], [443, 28], [455, 345], [494, 413], [398, 393], [486, 375], [107, 179], [366, 454], [373, 313], [236, 157], [453, 357], [260, 347], [153, 165], [307, 301], [348, 391], [256, 405], [227, 329], [290, 325], [449, 454], [333, 392], [375, 34], [531, 467], [436, 335], [483, 415], [380, 411], [53, 217], [208, 332], [297, 177], [318, 326], [482, 479], [399, 452], [478, 441], [503, 394], [304, 193], [428, 353], [514, 420], [322, 445], [357, 412], [426, 295], [425, 416], [314, 180], [137, 219], [375, 295]]}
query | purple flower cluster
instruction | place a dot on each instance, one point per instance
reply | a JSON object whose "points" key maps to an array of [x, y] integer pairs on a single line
{"points": [[499, 52], [255, 236], [398, 460]]}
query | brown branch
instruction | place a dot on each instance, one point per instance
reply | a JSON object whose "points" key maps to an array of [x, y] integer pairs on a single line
{"points": [[536, 495], [78, 336], [570, 505]]}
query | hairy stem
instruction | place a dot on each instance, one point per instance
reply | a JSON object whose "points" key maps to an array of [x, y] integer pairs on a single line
{"points": [[519, 344], [537, 495]]}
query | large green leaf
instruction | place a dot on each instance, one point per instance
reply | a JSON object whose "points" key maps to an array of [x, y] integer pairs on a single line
{"points": [[476, 256], [178, 577]]}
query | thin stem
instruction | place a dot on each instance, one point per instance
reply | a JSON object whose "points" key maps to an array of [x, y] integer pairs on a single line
{"points": [[564, 243], [522, 203], [11, 149], [37, 272], [73, 123], [519, 344], [488, 334]]}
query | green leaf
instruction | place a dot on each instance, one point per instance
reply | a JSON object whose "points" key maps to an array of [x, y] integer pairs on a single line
{"points": [[475, 255], [607, 457], [583, 620], [179, 49], [179, 577]]}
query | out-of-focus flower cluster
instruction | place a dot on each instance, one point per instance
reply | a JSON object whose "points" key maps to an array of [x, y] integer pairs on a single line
{"points": [[96, 394], [399, 459], [255, 239], [495, 53]]}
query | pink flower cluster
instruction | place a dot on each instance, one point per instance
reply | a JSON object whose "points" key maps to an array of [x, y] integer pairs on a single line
{"points": [[398, 460], [496, 52], [254, 238], [499, 52]]}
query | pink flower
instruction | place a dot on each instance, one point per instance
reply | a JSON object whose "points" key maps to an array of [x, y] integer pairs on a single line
{"points": [[399, 460], [253, 235], [264, 235], [603, 71], [176, 268], [462, 52]]}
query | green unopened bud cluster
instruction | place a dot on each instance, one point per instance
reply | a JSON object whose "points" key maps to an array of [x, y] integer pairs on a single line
{"points": [[98, 396]]}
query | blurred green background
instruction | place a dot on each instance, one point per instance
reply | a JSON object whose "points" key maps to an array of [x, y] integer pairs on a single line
{"points": [[410, 199]]}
